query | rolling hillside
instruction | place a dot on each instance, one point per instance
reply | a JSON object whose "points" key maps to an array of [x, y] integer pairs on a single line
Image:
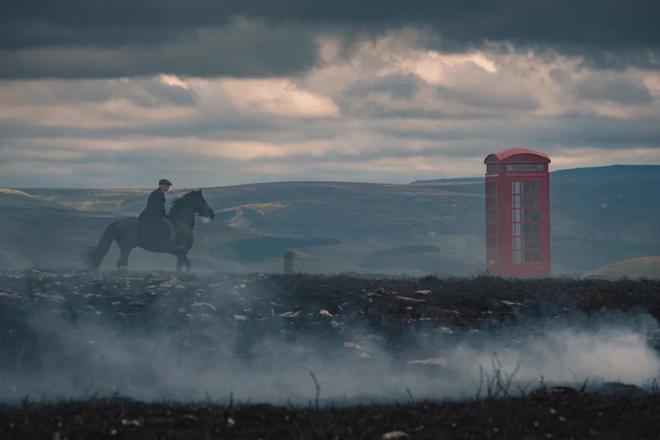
{"points": [[634, 268], [600, 215]]}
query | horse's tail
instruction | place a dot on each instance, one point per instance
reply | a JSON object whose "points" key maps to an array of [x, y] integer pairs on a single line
{"points": [[95, 256]]}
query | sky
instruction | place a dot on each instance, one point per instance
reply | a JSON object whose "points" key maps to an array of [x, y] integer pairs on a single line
{"points": [[99, 93]]}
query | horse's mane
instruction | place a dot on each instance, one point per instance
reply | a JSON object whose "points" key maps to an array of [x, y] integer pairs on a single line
{"points": [[178, 203]]}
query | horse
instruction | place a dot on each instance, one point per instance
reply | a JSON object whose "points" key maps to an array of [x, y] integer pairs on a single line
{"points": [[126, 232]]}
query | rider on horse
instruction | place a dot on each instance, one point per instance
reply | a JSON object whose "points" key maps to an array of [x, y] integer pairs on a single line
{"points": [[154, 224]]}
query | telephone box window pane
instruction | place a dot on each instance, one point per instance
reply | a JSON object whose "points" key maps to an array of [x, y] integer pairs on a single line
{"points": [[516, 215], [517, 257], [531, 215], [515, 187], [516, 201], [516, 229], [517, 243], [533, 244], [532, 230], [532, 257]]}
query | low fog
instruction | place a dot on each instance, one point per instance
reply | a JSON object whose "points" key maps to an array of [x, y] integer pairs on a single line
{"points": [[97, 357]]}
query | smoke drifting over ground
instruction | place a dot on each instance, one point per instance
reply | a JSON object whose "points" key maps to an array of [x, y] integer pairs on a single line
{"points": [[162, 338]]}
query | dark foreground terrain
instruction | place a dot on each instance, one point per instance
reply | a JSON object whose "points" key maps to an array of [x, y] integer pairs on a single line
{"points": [[553, 413], [47, 320]]}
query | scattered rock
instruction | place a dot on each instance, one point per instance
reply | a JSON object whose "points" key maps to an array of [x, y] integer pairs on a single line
{"points": [[171, 283], [620, 389], [411, 300], [204, 304], [436, 361], [510, 303], [395, 435]]}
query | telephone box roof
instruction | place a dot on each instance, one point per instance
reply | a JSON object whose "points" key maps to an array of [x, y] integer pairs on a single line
{"points": [[506, 155]]}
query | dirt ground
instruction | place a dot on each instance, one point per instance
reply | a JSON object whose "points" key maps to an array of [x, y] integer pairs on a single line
{"points": [[544, 415]]}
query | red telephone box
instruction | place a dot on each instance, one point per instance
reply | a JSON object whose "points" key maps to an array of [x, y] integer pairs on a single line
{"points": [[517, 213]]}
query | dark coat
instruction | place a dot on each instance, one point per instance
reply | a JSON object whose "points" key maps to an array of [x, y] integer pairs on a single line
{"points": [[156, 230], [155, 205]]}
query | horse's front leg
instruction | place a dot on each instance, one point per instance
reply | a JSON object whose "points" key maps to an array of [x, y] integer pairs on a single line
{"points": [[180, 262], [188, 264]]}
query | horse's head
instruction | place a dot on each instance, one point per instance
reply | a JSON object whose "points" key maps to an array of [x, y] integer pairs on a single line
{"points": [[199, 204]]}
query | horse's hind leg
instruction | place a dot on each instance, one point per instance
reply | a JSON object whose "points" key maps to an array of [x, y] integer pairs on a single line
{"points": [[122, 262], [182, 261]]}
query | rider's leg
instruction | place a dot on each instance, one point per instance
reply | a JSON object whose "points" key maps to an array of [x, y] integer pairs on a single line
{"points": [[171, 229]]}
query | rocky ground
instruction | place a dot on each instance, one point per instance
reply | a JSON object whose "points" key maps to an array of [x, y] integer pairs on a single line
{"points": [[388, 305], [396, 311]]}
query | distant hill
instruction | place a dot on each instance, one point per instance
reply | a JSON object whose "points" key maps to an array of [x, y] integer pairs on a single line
{"points": [[599, 216], [634, 268], [41, 228]]}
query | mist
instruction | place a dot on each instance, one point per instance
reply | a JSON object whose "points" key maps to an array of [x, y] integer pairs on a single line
{"points": [[220, 361]]}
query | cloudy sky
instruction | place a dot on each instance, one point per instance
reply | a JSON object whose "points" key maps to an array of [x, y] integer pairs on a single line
{"points": [[101, 93]]}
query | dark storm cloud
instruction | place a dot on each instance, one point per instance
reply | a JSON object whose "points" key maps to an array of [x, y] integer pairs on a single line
{"points": [[134, 37], [240, 49]]}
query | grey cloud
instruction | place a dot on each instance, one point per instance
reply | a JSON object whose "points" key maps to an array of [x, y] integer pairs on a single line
{"points": [[142, 92], [489, 98], [226, 127], [570, 130], [397, 86], [136, 37], [618, 89]]}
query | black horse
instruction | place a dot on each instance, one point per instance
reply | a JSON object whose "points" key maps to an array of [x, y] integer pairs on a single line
{"points": [[126, 232]]}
